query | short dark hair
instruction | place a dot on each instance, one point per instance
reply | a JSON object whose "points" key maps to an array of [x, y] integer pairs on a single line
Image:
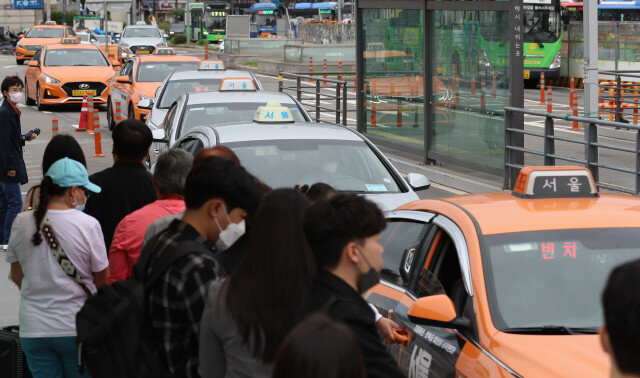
{"points": [[171, 171], [319, 191], [10, 81], [62, 146], [319, 347], [131, 140], [621, 303], [331, 224], [213, 177]]}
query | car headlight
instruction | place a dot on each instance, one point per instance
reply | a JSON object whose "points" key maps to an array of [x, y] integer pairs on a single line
{"points": [[555, 63], [49, 80], [143, 97], [484, 59]]}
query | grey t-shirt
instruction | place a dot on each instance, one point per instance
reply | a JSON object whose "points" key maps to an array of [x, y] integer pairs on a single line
{"points": [[222, 352]]}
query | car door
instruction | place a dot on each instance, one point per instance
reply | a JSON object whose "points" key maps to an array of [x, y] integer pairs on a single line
{"points": [[430, 265], [119, 90], [32, 74]]}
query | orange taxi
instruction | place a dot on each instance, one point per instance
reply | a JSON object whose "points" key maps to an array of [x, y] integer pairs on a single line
{"points": [[508, 283], [64, 73], [139, 79], [41, 35]]}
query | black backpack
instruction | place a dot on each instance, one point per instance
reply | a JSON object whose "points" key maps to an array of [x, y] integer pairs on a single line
{"points": [[115, 336]]}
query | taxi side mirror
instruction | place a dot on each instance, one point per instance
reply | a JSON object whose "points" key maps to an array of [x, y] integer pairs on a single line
{"points": [[145, 103], [418, 181], [123, 79], [159, 136], [437, 311], [21, 35], [116, 64], [34, 63]]}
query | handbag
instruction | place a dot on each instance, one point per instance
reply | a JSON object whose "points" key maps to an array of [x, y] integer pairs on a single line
{"points": [[60, 256], [31, 199]]}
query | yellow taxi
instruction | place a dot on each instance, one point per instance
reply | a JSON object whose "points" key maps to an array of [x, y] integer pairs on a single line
{"points": [[64, 73], [508, 283], [139, 79], [39, 36]]}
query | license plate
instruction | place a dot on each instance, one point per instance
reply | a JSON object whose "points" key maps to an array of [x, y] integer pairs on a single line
{"points": [[83, 93], [526, 74], [143, 52]]}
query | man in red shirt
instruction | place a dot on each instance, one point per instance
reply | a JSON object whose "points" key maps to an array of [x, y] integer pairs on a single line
{"points": [[169, 178]]}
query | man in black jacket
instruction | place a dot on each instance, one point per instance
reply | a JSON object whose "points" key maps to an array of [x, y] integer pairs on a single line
{"points": [[13, 171], [344, 234], [126, 186]]}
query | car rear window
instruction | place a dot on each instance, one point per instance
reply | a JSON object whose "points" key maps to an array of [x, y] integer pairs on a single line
{"points": [[45, 33], [158, 71]]}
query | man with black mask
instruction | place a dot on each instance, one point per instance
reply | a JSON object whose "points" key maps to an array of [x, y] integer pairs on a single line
{"points": [[344, 234]]}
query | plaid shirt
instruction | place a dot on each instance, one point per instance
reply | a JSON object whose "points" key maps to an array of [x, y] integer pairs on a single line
{"points": [[177, 299]]}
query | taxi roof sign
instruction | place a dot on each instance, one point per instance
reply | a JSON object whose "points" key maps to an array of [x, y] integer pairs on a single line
{"points": [[50, 23], [273, 112], [212, 65], [237, 84], [555, 182], [69, 41], [164, 51]]}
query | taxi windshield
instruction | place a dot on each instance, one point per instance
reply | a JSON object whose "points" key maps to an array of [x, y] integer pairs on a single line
{"points": [[141, 33], [349, 166], [158, 71], [546, 279], [74, 57], [176, 88], [229, 112], [44, 33]]}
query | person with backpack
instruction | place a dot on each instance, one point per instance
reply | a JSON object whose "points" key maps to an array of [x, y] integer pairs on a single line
{"points": [[248, 314], [58, 259]]}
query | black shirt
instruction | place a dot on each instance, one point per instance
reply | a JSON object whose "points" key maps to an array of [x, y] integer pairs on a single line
{"points": [[126, 187], [336, 298]]}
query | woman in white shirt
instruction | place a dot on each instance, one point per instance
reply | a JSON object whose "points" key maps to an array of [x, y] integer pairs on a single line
{"points": [[58, 258]]}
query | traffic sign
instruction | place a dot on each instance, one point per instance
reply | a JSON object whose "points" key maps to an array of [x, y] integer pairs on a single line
{"points": [[27, 4]]}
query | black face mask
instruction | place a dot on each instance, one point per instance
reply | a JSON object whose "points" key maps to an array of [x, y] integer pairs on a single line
{"points": [[369, 279]]}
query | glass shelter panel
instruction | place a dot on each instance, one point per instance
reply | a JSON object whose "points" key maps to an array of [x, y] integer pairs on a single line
{"points": [[393, 62], [470, 61]]}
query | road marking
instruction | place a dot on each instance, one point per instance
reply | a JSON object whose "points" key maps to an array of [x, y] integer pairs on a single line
{"points": [[10, 66], [447, 188], [46, 111]]}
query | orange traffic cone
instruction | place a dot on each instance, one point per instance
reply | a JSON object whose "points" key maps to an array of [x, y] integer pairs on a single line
{"points": [[84, 115]]}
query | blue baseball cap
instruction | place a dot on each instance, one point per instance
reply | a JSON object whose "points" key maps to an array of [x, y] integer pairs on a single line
{"points": [[67, 173]]}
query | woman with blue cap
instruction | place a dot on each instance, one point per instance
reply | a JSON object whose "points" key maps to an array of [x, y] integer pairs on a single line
{"points": [[58, 258]]}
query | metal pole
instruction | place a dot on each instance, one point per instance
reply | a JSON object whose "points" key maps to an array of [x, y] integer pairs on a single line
{"points": [[133, 12], [106, 31], [590, 25], [48, 10], [317, 100], [64, 12]]}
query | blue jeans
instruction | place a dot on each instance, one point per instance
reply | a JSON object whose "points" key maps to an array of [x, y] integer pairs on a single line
{"points": [[10, 206], [52, 357]]}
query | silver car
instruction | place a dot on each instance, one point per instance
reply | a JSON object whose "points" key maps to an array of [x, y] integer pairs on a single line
{"points": [[141, 39], [288, 154], [179, 83], [216, 108]]}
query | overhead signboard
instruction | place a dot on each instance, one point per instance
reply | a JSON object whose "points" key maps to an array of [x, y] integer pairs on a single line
{"points": [[27, 4]]}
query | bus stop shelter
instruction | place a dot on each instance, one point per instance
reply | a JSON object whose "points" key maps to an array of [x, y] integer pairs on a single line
{"points": [[433, 78]]}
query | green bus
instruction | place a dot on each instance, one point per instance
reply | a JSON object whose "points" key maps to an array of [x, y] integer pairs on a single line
{"points": [[214, 20], [542, 28]]}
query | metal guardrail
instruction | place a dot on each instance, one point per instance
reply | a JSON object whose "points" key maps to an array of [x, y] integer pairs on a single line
{"points": [[339, 87], [592, 147], [623, 95]]}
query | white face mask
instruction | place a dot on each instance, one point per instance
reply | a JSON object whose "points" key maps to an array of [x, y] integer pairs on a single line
{"points": [[15, 97], [229, 235]]}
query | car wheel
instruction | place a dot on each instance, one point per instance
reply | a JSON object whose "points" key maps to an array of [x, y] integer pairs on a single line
{"points": [[131, 114], [27, 100], [39, 104], [19, 62], [110, 120]]}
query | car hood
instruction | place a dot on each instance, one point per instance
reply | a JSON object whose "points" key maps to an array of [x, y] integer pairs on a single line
{"points": [[156, 117], [39, 41], [551, 355], [80, 73], [391, 201], [142, 41], [148, 88]]}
